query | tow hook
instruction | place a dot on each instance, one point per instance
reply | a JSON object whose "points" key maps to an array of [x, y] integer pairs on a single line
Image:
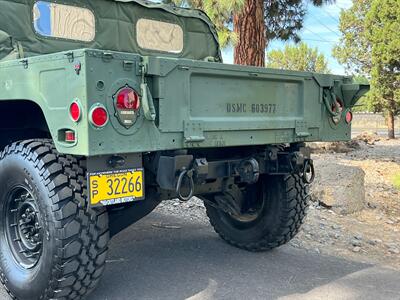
{"points": [[308, 171], [189, 175]]}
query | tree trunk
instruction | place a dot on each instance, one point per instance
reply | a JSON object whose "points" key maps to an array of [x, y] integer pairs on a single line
{"points": [[390, 123], [250, 27]]}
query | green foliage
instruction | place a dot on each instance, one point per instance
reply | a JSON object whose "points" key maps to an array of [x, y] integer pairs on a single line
{"points": [[396, 181], [383, 32], [364, 104], [299, 57], [354, 48], [283, 19], [370, 46]]}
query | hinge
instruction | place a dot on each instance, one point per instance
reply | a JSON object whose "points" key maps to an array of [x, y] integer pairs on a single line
{"points": [[193, 132]]}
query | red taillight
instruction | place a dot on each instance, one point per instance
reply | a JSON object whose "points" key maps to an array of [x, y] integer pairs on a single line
{"points": [[128, 99], [98, 116], [70, 136], [75, 111], [349, 117]]}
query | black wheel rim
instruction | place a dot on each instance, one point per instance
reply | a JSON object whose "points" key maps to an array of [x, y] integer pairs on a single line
{"points": [[254, 203], [23, 227]]}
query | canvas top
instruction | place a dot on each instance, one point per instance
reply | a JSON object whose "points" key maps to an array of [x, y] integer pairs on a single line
{"points": [[33, 27]]}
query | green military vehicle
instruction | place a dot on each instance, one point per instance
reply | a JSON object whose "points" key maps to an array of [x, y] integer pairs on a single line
{"points": [[111, 106]]}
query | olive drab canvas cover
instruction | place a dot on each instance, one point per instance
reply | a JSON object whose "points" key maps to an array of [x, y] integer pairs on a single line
{"points": [[32, 27]]}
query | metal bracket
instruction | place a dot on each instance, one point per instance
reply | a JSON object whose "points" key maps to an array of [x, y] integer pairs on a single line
{"points": [[128, 65], [107, 56], [25, 63], [70, 56], [193, 132], [302, 129]]}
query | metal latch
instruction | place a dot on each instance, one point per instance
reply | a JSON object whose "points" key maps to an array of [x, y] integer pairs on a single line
{"points": [[193, 132], [128, 65], [70, 56], [302, 129], [25, 63], [107, 56]]}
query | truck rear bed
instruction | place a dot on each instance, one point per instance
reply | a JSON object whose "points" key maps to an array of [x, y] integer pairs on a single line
{"points": [[196, 104]]}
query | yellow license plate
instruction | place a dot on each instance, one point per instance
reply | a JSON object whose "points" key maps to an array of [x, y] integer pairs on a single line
{"points": [[116, 187]]}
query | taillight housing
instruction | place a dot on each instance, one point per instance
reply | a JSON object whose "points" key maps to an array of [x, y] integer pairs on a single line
{"points": [[127, 98], [349, 117], [98, 116], [75, 111], [70, 136], [127, 106]]}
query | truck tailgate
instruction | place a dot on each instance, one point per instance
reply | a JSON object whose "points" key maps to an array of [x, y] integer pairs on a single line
{"points": [[201, 97]]}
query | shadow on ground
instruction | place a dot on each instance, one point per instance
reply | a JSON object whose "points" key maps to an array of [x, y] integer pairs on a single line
{"points": [[188, 261]]}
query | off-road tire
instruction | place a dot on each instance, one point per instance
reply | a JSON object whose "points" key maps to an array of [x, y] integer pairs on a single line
{"points": [[75, 237], [279, 221]]}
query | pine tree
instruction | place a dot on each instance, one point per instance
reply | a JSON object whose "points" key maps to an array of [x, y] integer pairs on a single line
{"points": [[383, 31], [370, 46], [354, 48], [250, 25], [220, 13]]}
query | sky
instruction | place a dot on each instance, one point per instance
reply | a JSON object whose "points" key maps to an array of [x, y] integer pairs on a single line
{"points": [[320, 30]]}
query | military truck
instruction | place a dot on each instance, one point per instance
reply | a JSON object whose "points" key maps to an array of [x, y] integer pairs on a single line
{"points": [[110, 107]]}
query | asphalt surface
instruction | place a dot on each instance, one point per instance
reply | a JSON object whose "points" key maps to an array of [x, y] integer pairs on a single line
{"points": [[186, 260]]}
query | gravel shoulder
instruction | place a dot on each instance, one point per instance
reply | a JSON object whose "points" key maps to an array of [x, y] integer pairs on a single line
{"points": [[369, 236]]}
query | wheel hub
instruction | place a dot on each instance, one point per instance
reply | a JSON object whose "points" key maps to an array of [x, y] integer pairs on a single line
{"points": [[29, 228], [24, 231]]}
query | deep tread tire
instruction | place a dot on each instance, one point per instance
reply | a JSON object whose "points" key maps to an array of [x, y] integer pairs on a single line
{"points": [[77, 237], [280, 220]]}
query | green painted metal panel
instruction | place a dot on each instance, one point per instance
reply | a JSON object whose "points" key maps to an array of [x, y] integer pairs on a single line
{"points": [[197, 104]]}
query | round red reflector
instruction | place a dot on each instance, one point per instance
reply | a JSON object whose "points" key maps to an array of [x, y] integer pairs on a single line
{"points": [[127, 98], [75, 111], [349, 117], [99, 116]]}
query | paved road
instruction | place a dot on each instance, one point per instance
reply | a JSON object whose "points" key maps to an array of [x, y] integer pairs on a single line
{"points": [[188, 261]]}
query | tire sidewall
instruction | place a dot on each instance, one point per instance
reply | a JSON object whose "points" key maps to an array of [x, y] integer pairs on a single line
{"points": [[16, 169], [268, 221]]}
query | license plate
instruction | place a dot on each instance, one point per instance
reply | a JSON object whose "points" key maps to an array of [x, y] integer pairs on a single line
{"points": [[116, 187]]}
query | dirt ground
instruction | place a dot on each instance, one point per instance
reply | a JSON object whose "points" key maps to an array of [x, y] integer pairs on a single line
{"points": [[371, 235]]}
